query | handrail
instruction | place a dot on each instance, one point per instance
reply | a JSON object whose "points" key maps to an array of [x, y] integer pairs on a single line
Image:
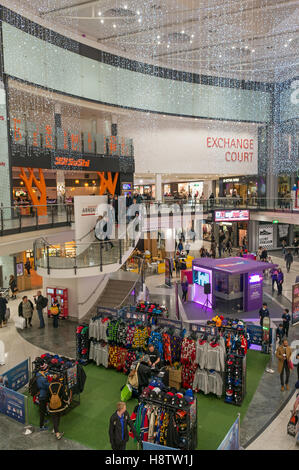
{"points": [[134, 285], [93, 292]]}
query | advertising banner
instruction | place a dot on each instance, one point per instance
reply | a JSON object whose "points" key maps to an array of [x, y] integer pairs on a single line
{"points": [[12, 404], [87, 209], [295, 304], [266, 236], [168, 272], [232, 439], [255, 334], [283, 230], [17, 377], [232, 216]]}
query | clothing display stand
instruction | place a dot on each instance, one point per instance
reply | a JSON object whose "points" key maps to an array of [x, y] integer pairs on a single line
{"points": [[188, 435], [235, 379]]}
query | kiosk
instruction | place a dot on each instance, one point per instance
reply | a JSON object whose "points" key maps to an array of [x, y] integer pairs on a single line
{"points": [[228, 279]]}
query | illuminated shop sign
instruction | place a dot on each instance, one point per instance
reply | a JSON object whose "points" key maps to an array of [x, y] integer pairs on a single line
{"points": [[232, 216], [231, 180], [64, 161], [127, 186], [48, 137], [255, 278]]}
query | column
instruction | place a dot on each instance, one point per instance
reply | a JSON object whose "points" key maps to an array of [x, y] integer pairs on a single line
{"points": [[5, 162], [169, 242], [158, 184]]}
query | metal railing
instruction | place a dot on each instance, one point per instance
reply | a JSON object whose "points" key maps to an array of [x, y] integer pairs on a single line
{"points": [[72, 255], [26, 218]]}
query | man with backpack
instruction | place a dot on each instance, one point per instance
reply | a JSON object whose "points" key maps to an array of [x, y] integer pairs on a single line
{"points": [[41, 303], [43, 392], [59, 400]]}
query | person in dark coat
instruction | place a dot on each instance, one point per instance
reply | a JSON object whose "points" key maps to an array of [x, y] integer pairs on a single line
{"points": [[185, 285], [289, 260], [3, 304], [13, 286], [118, 428], [280, 279], [264, 312]]}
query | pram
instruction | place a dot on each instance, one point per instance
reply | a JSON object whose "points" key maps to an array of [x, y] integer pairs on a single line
{"points": [[5, 292]]}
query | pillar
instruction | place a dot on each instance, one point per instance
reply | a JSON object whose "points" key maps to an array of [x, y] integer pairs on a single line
{"points": [[158, 184], [60, 188], [5, 163]]}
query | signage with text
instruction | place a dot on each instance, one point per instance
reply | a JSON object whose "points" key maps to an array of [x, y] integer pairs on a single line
{"points": [[12, 404], [232, 216]]}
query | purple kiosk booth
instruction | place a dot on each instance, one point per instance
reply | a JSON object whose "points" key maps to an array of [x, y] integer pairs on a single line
{"points": [[228, 279]]}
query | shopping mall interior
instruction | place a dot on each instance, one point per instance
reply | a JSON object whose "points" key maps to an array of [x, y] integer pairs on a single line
{"points": [[149, 226]]}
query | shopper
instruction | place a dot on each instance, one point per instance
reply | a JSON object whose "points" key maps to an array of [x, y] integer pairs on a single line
{"points": [[283, 247], [27, 266], [289, 260], [13, 286], [26, 310], [283, 355], [180, 246], [286, 318], [59, 400], [274, 274], [177, 266], [3, 306], [118, 428], [187, 248], [229, 246], [264, 312], [296, 244], [259, 252], [280, 333], [280, 279], [264, 255], [41, 303], [185, 285], [43, 386], [55, 312]]}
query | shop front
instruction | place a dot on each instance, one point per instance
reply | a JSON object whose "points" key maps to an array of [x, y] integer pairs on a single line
{"points": [[26, 275], [232, 225], [246, 188]]}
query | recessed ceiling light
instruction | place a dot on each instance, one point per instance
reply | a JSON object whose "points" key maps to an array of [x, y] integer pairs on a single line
{"points": [[291, 39], [286, 45], [191, 42], [138, 12], [246, 47], [99, 13], [139, 20], [159, 42], [253, 50], [102, 21], [220, 55], [192, 35], [158, 37], [125, 7], [168, 46], [233, 47], [114, 26], [183, 32]]}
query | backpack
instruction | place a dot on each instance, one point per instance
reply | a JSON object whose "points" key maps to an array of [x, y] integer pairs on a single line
{"points": [[55, 401], [33, 387], [44, 302], [126, 393]]}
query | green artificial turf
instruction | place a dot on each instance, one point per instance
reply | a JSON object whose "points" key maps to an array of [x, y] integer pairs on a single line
{"points": [[88, 423]]}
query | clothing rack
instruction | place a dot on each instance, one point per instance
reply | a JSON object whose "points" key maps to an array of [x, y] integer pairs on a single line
{"points": [[190, 409]]}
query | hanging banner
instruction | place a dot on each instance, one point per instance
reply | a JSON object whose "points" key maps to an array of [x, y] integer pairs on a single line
{"points": [[168, 272], [12, 404], [295, 304], [232, 439], [266, 236], [17, 377]]}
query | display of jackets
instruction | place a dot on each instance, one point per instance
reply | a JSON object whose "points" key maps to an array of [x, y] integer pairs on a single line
{"points": [[175, 347], [99, 352], [140, 339], [200, 382], [188, 351], [215, 383], [215, 357], [201, 353], [167, 348]]}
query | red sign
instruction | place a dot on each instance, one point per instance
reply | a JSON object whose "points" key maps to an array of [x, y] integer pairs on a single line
{"points": [[64, 161], [232, 216]]}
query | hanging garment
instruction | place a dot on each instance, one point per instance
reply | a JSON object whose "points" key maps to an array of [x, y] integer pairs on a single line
{"points": [[215, 383], [200, 382], [175, 346], [201, 353], [166, 348]]}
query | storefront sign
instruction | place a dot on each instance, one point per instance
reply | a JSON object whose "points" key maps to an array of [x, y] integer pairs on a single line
{"points": [[12, 404], [235, 149], [232, 216], [295, 304], [266, 236], [17, 377], [86, 210], [231, 180]]}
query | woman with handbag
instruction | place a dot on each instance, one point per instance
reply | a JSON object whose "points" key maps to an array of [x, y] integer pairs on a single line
{"points": [[283, 355], [55, 311]]}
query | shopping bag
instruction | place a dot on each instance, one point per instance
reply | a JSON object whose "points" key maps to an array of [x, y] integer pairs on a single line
{"points": [[291, 365], [291, 428], [20, 323], [7, 314], [126, 393]]}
